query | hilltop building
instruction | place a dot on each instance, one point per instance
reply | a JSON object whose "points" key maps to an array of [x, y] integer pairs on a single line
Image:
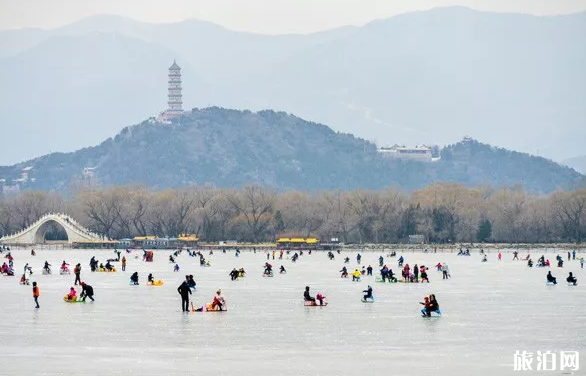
{"points": [[174, 95], [419, 153], [89, 177]]}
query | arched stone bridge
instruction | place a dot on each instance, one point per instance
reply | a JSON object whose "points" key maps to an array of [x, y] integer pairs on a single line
{"points": [[35, 233]]}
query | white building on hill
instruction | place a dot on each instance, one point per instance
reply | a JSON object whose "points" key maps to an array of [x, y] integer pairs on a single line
{"points": [[419, 153]]}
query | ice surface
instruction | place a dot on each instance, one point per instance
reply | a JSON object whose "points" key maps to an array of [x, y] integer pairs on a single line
{"points": [[490, 310]]}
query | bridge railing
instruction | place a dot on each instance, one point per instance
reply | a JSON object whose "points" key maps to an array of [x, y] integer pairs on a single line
{"points": [[66, 220]]}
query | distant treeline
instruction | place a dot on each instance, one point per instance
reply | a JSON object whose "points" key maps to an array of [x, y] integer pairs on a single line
{"points": [[442, 213]]}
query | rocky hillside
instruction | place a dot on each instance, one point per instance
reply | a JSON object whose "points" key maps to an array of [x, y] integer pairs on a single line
{"points": [[230, 148]]}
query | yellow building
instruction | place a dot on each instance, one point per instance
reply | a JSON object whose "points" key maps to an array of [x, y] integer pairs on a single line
{"points": [[298, 243]]}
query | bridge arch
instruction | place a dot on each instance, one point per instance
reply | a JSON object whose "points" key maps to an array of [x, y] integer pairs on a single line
{"points": [[35, 233], [41, 232]]}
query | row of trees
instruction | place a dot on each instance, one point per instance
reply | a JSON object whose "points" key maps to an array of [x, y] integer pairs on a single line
{"points": [[442, 213]]}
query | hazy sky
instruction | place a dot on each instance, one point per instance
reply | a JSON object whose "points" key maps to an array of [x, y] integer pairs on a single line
{"points": [[265, 16]]}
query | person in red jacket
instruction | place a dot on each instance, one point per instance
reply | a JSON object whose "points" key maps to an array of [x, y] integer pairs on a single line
{"points": [[36, 294]]}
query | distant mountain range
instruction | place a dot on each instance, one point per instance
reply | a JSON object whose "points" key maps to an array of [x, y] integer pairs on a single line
{"points": [[577, 163], [426, 77], [230, 148]]}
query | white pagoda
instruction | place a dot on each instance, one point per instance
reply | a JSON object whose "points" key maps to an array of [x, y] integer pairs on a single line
{"points": [[175, 98]]}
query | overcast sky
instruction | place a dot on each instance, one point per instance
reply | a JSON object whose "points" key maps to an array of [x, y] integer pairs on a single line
{"points": [[264, 16]]}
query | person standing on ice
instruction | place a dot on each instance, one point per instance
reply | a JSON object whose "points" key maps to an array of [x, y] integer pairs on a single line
{"points": [[445, 271], [184, 291], [77, 272], [36, 294]]}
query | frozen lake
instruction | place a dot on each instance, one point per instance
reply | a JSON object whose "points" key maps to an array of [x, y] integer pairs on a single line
{"points": [[490, 310]]}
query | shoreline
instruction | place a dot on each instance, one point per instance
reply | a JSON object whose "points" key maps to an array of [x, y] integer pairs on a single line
{"points": [[411, 248]]}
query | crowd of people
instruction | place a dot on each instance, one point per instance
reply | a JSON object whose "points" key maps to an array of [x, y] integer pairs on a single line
{"points": [[415, 274]]}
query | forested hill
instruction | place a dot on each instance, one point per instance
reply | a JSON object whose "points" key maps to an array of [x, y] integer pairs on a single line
{"points": [[230, 148]]}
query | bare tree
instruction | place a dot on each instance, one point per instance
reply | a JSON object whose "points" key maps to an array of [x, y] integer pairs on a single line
{"points": [[31, 205], [7, 216], [507, 207], [102, 208], [570, 211], [255, 205]]}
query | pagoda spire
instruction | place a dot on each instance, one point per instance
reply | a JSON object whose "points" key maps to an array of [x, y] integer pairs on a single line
{"points": [[175, 97]]}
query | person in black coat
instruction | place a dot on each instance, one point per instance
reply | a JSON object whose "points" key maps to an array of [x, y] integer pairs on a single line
{"points": [[87, 291], [184, 291]]}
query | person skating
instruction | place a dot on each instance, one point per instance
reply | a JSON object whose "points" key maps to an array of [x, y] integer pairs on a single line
{"points": [[426, 306], [434, 305], [572, 279], [430, 305], [551, 278], [307, 297], [268, 270], [134, 278], [391, 276], [72, 294], [320, 298], [368, 292], [219, 301]]}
